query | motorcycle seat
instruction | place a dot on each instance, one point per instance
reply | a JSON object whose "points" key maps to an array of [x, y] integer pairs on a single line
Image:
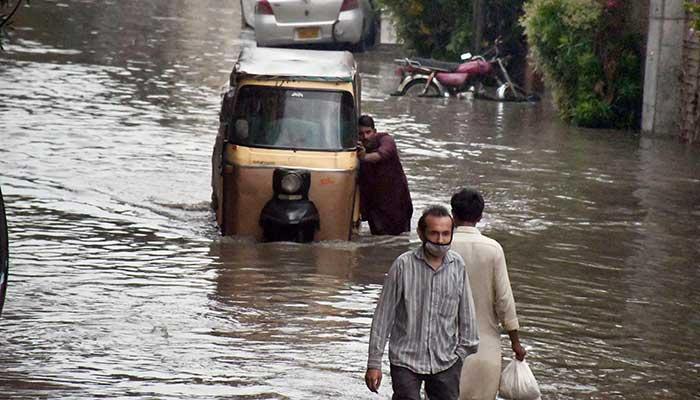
{"points": [[442, 66]]}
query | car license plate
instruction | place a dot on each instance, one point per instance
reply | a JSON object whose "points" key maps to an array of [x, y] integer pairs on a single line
{"points": [[308, 33]]}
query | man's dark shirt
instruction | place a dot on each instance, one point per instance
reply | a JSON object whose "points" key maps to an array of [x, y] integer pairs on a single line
{"points": [[385, 201]]}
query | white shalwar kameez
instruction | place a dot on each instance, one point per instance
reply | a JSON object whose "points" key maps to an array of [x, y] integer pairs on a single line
{"points": [[495, 307]]}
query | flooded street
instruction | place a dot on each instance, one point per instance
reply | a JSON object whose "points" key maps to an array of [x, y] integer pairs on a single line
{"points": [[120, 285]]}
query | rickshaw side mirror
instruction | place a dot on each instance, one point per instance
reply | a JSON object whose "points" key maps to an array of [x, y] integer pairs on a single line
{"points": [[241, 129]]}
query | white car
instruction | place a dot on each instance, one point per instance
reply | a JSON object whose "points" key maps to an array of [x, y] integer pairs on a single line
{"points": [[297, 22], [248, 13]]}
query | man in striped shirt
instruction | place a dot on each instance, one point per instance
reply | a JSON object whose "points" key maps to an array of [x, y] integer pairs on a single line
{"points": [[427, 313]]}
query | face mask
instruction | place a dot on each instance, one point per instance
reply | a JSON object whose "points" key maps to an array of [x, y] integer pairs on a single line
{"points": [[435, 249]]}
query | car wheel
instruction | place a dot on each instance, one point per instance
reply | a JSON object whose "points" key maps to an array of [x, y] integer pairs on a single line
{"points": [[361, 45], [243, 23], [371, 38], [247, 15]]}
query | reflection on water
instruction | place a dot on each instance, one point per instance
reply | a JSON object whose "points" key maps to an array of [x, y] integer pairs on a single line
{"points": [[121, 287]]}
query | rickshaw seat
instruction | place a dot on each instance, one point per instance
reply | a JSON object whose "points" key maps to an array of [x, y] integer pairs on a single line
{"points": [[295, 132]]}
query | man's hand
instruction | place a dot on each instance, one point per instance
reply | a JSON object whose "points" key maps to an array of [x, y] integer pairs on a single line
{"points": [[361, 151], [373, 378], [515, 345], [519, 350]]}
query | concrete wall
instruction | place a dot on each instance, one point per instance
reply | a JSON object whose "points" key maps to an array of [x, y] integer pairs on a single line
{"points": [[662, 75], [387, 30], [690, 89]]}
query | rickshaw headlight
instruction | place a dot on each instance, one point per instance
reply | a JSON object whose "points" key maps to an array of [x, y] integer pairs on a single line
{"points": [[291, 183]]}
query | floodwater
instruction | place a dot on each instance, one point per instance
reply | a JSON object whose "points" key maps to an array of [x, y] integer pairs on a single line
{"points": [[121, 287]]}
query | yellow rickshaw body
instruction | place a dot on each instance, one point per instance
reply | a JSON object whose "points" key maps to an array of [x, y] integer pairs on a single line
{"points": [[243, 170]]}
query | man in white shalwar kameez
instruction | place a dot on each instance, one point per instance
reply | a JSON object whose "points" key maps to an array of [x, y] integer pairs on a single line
{"points": [[493, 298]]}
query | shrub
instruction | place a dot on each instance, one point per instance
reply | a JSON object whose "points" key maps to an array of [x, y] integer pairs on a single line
{"points": [[591, 64], [429, 27], [693, 8], [443, 28]]}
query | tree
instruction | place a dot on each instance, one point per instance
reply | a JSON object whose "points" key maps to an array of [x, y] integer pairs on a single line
{"points": [[589, 58], [444, 29], [6, 19]]}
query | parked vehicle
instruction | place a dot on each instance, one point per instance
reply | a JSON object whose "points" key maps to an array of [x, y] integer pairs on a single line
{"points": [[296, 22], [284, 165], [4, 253], [433, 78], [248, 13]]}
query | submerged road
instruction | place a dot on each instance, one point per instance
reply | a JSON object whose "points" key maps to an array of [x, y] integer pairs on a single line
{"points": [[121, 287]]}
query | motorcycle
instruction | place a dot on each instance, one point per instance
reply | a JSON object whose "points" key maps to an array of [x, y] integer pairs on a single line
{"points": [[432, 78]]}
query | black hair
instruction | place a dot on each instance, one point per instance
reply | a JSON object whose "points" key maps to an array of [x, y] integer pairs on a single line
{"points": [[467, 205], [366, 120], [432, 211]]}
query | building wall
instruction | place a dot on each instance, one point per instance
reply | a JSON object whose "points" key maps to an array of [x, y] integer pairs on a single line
{"points": [[662, 75], [690, 88], [387, 29]]}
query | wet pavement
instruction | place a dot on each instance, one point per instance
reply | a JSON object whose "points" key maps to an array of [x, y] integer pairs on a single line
{"points": [[120, 285]]}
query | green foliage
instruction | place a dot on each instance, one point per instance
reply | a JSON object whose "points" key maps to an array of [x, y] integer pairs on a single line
{"points": [[461, 38], [592, 65], [693, 10], [592, 112], [429, 27], [443, 28]]}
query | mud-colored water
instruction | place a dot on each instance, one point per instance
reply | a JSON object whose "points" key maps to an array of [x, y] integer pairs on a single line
{"points": [[120, 285]]}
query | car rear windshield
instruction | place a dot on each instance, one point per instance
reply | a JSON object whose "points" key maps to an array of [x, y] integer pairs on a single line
{"points": [[294, 119]]}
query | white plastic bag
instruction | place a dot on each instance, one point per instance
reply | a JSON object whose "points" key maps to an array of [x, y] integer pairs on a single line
{"points": [[518, 382]]}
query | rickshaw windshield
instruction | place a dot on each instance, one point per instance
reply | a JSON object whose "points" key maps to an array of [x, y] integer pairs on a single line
{"points": [[294, 118]]}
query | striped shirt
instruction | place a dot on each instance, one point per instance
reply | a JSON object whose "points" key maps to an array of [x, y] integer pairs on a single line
{"points": [[428, 315]]}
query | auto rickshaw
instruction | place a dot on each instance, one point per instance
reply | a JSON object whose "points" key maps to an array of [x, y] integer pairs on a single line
{"points": [[284, 166]]}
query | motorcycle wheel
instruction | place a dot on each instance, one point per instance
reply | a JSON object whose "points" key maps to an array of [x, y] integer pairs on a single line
{"points": [[415, 89], [514, 92]]}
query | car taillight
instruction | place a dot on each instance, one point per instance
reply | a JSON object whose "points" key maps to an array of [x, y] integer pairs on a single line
{"points": [[349, 5], [263, 8]]}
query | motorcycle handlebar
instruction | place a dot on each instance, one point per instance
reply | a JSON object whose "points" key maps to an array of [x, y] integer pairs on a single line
{"points": [[494, 52]]}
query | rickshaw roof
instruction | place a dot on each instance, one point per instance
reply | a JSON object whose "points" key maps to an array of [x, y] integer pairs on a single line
{"points": [[315, 65]]}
